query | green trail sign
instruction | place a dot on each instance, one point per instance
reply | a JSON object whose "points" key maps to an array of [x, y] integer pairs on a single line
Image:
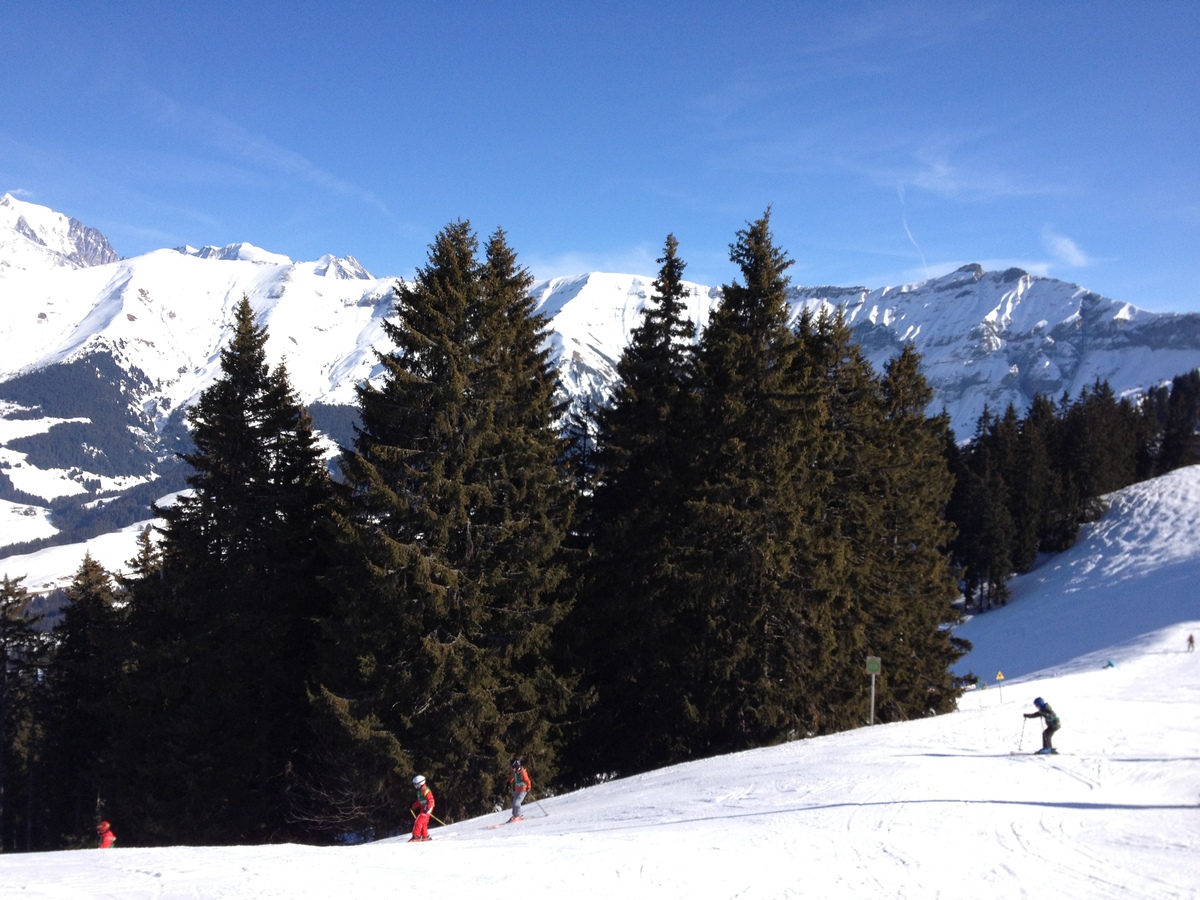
{"points": [[874, 667]]}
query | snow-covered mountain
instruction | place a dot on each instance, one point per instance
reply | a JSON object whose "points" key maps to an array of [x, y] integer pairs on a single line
{"points": [[986, 338], [99, 354], [948, 806], [33, 236]]}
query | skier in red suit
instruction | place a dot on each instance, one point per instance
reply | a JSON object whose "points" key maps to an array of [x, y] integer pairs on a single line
{"points": [[424, 803]]}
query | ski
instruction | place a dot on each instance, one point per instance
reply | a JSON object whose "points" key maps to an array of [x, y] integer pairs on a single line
{"points": [[505, 822]]}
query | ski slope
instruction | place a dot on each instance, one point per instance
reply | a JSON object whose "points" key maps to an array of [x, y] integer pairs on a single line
{"points": [[940, 807]]}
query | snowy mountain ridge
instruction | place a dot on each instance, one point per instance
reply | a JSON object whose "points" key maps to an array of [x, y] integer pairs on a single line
{"points": [[154, 325], [33, 236]]}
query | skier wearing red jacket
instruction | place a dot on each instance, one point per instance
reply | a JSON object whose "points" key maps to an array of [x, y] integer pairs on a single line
{"points": [[424, 803], [107, 838]]}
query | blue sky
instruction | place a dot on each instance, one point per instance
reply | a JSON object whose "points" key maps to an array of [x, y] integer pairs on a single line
{"points": [[893, 142]]}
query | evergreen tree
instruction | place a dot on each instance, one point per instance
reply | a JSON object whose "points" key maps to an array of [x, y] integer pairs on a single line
{"points": [[1049, 494], [22, 653], [1100, 438], [351, 779], [224, 626], [1025, 486], [1180, 445], [889, 581], [1023, 467], [909, 624], [981, 507], [854, 459], [751, 564], [765, 514], [623, 627], [456, 507], [81, 678]]}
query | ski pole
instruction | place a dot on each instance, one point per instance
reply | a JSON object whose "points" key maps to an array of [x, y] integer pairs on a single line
{"points": [[545, 815], [413, 813], [1024, 722]]}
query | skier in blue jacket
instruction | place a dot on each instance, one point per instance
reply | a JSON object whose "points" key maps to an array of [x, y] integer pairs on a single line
{"points": [[1052, 723]]}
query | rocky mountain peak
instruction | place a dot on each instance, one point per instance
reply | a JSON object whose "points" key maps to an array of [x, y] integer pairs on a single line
{"points": [[32, 236]]}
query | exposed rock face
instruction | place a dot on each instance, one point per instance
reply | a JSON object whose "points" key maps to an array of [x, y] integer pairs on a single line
{"points": [[91, 247]]}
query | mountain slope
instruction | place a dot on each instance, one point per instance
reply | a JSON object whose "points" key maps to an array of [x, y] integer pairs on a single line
{"points": [[986, 338], [34, 237], [939, 807], [1143, 551], [99, 356]]}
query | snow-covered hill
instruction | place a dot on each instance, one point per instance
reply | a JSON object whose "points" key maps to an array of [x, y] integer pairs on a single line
{"points": [[941, 807], [1144, 553]]}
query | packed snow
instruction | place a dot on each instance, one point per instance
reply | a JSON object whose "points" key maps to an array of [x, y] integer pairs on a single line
{"points": [[1144, 552], [55, 567], [23, 522], [948, 806]]}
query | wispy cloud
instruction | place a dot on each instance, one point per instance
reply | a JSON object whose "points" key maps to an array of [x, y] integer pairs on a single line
{"points": [[908, 231], [950, 168], [238, 143], [1063, 249]]}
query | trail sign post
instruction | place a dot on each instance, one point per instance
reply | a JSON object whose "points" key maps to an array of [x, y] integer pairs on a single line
{"points": [[1000, 684], [874, 667]]}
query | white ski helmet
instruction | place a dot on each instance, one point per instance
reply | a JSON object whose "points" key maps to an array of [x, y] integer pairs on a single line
{"points": [[418, 780]]}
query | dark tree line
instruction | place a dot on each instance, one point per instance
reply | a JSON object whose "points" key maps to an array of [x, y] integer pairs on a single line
{"points": [[81, 517], [95, 389], [699, 567], [766, 512], [1025, 485]]}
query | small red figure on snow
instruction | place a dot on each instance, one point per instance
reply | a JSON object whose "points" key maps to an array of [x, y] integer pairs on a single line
{"points": [[424, 803], [107, 838]]}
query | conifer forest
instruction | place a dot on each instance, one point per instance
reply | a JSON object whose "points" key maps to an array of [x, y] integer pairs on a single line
{"points": [[700, 566]]}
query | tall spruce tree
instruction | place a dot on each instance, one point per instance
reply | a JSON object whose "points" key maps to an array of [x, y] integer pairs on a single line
{"points": [[22, 653], [624, 624], [855, 460], [89, 652], [456, 505], [224, 627], [1180, 445], [1100, 436], [751, 564], [910, 619]]}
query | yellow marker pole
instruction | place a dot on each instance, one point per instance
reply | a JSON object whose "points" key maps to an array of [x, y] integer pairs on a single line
{"points": [[413, 813], [1000, 684]]}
